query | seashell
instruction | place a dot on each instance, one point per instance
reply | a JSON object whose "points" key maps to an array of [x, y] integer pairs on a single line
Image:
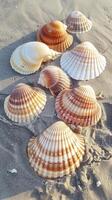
{"points": [[55, 79], [57, 152], [84, 62], [55, 36], [77, 22], [78, 106], [25, 103], [27, 58], [20, 66]]}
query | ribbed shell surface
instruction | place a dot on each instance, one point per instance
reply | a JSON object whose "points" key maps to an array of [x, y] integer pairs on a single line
{"points": [[84, 62], [57, 152], [78, 23], [78, 106], [55, 36], [24, 103], [55, 79]]}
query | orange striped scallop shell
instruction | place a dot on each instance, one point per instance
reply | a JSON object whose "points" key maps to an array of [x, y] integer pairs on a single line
{"points": [[55, 79], [57, 152], [78, 106], [25, 103], [55, 36]]}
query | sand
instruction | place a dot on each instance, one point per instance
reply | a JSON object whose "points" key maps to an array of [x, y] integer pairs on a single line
{"points": [[19, 21]]}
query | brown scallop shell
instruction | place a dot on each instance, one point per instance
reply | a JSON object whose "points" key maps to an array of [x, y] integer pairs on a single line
{"points": [[78, 106], [55, 36], [55, 79]]}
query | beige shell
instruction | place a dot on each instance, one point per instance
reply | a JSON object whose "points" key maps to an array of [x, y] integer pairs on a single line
{"points": [[55, 36], [78, 23], [57, 152], [55, 79], [84, 62], [27, 58], [25, 103], [78, 106]]}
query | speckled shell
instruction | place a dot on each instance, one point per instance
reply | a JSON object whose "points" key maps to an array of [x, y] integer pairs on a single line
{"points": [[84, 62], [55, 79], [78, 106], [78, 23], [25, 103], [55, 36], [27, 58], [57, 152]]}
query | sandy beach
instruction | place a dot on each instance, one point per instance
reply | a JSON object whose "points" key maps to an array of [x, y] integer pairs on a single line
{"points": [[19, 23]]}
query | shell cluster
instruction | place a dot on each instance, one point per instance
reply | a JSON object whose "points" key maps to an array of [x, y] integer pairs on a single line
{"points": [[55, 79], [78, 106], [25, 103], [55, 36], [57, 152], [84, 62], [77, 22], [27, 58]]}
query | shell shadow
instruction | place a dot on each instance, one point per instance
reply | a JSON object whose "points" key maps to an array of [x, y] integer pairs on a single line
{"points": [[7, 75], [108, 110]]}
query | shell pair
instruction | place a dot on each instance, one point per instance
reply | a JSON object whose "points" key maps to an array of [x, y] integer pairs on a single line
{"points": [[25, 103], [55, 79], [55, 36], [77, 22], [78, 106], [57, 152], [84, 62], [27, 58]]}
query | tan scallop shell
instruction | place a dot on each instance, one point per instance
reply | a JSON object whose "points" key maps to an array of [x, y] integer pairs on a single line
{"points": [[57, 152], [25, 103], [78, 106], [27, 58], [55, 36], [55, 79], [78, 23], [84, 62]]}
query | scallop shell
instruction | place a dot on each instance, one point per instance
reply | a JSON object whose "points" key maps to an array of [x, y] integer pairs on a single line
{"points": [[25, 103], [55, 79], [57, 152], [27, 58], [78, 23], [84, 62], [78, 106], [55, 36]]}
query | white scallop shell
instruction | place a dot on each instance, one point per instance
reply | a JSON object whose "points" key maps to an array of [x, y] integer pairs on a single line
{"points": [[77, 22], [27, 58], [83, 62]]}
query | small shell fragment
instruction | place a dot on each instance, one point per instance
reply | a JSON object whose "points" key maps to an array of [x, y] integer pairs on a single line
{"points": [[84, 62]]}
